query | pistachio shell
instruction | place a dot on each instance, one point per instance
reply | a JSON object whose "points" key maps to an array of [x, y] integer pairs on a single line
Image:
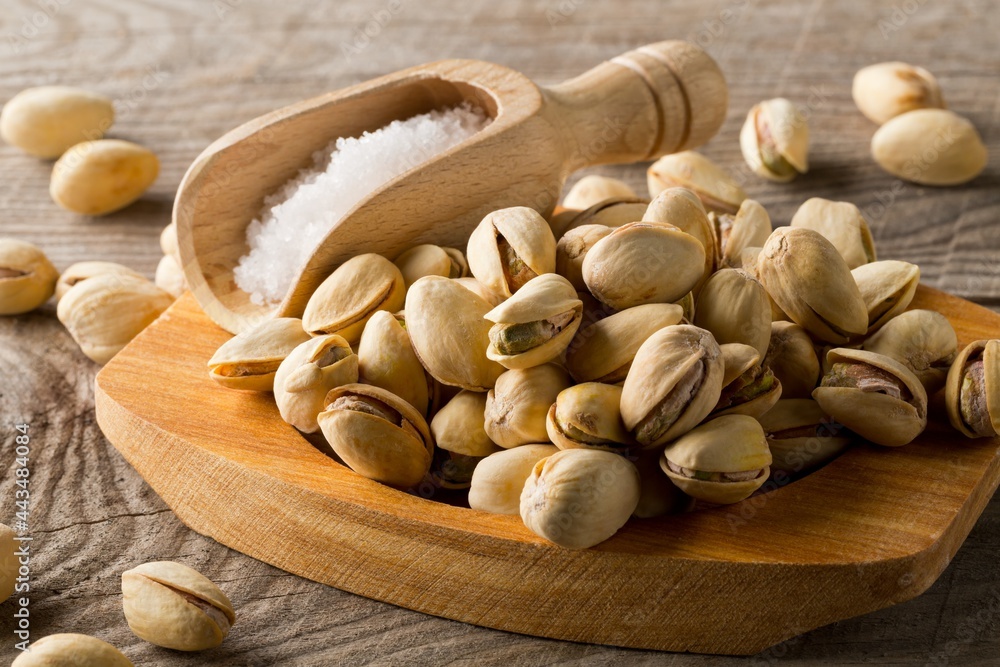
{"points": [[930, 147], [48, 120], [713, 185], [307, 374], [842, 224], [103, 176], [560, 220], [612, 212], [594, 189], [170, 277], [688, 307], [250, 359], [572, 248], [499, 478], [973, 398], [775, 140], [887, 288], [480, 290], [792, 358], [27, 277], [801, 436], [748, 229], [71, 650], [386, 359], [509, 247], [748, 387], [886, 90], [168, 242], [80, 271], [737, 359], [682, 209], [431, 260], [657, 494], [588, 416], [735, 308], [923, 340], [517, 406], [460, 426]]}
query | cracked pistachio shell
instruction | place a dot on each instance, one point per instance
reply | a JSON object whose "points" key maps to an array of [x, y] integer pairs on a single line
{"points": [[737, 359], [873, 414], [80, 271], [885, 90], [560, 220], [498, 480], [840, 223], [578, 498], [48, 120], [711, 183], [801, 436], [810, 281], [27, 277], [8, 562], [386, 359], [594, 189], [749, 228], [168, 242], [735, 308], [344, 301], [480, 290], [572, 248], [730, 444], [603, 351], [71, 650], [377, 434], [104, 313], [510, 247], [930, 147], [657, 494], [517, 406], [175, 606], [170, 277], [431, 260], [973, 399], [775, 140], [613, 212], [643, 262], [250, 359], [677, 371], [923, 340], [543, 298], [459, 426], [887, 287], [740, 359], [588, 416], [307, 374], [681, 208], [449, 333], [103, 176], [791, 356]]}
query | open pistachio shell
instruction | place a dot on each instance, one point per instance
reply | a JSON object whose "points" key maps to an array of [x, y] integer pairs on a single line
{"points": [[688, 307], [517, 406], [722, 461], [972, 394], [510, 247], [594, 189], [250, 360], [431, 260], [27, 277], [386, 359], [77, 273], [560, 220], [775, 140], [682, 209], [588, 416], [875, 396], [657, 494], [791, 356], [713, 185], [923, 340], [749, 228], [306, 375], [749, 387], [480, 290], [801, 436], [612, 212], [930, 147], [734, 307], [885, 90], [887, 288], [499, 478], [842, 224], [572, 248], [459, 426]]}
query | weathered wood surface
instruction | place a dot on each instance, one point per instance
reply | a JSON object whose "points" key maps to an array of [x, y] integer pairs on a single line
{"points": [[185, 72]]}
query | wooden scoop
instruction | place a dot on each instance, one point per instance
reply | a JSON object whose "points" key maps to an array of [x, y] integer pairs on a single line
{"points": [[655, 100]]}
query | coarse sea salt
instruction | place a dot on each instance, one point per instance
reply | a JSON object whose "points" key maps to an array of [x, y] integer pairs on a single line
{"points": [[296, 218]]}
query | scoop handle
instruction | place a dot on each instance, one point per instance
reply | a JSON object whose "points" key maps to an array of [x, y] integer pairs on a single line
{"points": [[658, 99]]}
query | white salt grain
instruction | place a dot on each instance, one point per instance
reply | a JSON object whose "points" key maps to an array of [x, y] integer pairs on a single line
{"points": [[296, 218]]}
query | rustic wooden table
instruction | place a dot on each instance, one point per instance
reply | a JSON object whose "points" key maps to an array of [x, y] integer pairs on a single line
{"points": [[185, 72]]}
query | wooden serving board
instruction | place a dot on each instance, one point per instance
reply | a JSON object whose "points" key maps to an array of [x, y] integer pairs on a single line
{"points": [[875, 527]]}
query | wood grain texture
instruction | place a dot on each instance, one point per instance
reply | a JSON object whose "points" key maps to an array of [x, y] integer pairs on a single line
{"points": [[212, 66]]}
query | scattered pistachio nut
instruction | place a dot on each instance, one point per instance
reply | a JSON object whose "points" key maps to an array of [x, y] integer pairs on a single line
{"points": [[775, 140], [459, 432], [431, 260], [840, 223], [612, 212], [306, 376], [27, 277], [386, 359], [801, 436], [887, 287], [930, 147], [499, 479], [735, 308], [713, 185], [972, 394], [250, 360], [168, 242], [102, 176], [480, 290], [749, 228], [71, 650], [749, 387], [885, 90], [923, 340], [791, 356], [517, 406], [657, 494], [82, 270], [510, 247], [8, 562], [169, 276], [594, 189], [588, 416], [681, 208], [572, 248], [48, 120]]}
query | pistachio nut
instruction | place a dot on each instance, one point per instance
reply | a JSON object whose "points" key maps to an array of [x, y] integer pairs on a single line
{"points": [[810, 281], [572, 248], [603, 351], [682, 209], [874, 395], [170, 277], [431, 260], [307, 374], [175, 606], [722, 461], [102, 176], [517, 406], [498, 480], [577, 498], [734, 307], [792, 358], [46, 121], [613, 212], [250, 359], [674, 383], [588, 416], [27, 277], [801, 436], [71, 650], [80, 271], [104, 313], [168, 242], [536, 324], [749, 387], [449, 333], [344, 301], [462, 442], [510, 247], [923, 340], [688, 307], [386, 359], [560, 220], [377, 434], [840, 223], [713, 185], [480, 290], [972, 394], [930, 147], [8, 562], [749, 228], [657, 494], [886, 90], [775, 140], [887, 287], [643, 262], [594, 189]]}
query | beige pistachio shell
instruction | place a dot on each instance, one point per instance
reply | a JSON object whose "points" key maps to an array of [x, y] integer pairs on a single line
{"points": [[578, 498], [681, 208], [714, 186], [517, 406], [801, 436], [572, 248], [170, 277], [588, 416], [732, 448], [810, 281], [594, 189], [749, 228], [885, 90], [102, 176], [377, 434], [250, 360], [657, 494], [923, 340], [775, 140], [307, 374], [560, 220], [46, 121], [674, 383], [480, 290], [972, 393], [643, 262], [386, 359], [688, 307], [27, 277], [887, 288], [613, 212], [930, 147], [510, 247], [603, 351], [344, 301], [498, 480], [8, 562], [168, 242], [735, 308], [175, 606], [791, 356], [449, 333], [842, 224], [862, 405], [737, 359], [71, 650], [743, 370], [80, 271], [431, 260], [459, 426]]}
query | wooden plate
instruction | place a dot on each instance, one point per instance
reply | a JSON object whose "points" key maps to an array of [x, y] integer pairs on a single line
{"points": [[875, 527]]}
